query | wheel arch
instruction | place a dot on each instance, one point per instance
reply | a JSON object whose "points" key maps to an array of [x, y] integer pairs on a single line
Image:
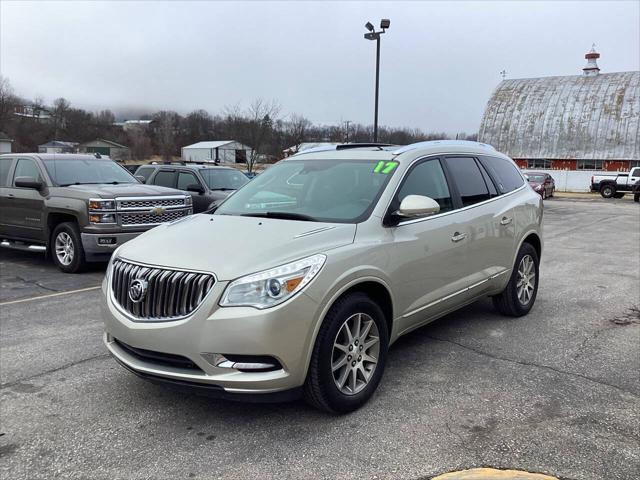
{"points": [[56, 218], [374, 287]]}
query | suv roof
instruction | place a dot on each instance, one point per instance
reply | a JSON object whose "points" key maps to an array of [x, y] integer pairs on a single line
{"points": [[391, 152], [59, 156], [188, 166]]}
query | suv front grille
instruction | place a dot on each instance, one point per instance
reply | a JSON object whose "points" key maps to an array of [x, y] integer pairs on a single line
{"points": [[166, 294], [151, 218]]}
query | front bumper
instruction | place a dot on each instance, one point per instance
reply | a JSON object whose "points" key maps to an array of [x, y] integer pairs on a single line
{"points": [[284, 332], [96, 248]]}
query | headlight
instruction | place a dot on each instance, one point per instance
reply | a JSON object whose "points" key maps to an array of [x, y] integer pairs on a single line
{"points": [[102, 205], [539, 187], [188, 200], [102, 217], [272, 287]]}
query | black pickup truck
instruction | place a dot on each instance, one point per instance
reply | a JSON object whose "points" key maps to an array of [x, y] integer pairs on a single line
{"points": [[78, 208]]}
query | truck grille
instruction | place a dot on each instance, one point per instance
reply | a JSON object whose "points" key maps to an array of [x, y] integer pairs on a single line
{"points": [[166, 294], [133, 204], [144, 218]]}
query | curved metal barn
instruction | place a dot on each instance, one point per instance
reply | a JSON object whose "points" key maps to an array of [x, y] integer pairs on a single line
{"points": [[592, 116]]}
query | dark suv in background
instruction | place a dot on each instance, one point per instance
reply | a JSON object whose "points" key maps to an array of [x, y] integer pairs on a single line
{"points": [[207, 184]]}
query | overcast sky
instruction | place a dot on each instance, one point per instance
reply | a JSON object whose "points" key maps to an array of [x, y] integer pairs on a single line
{"points": [[440, 61]]}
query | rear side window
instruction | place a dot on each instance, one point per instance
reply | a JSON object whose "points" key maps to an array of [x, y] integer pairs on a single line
{"points": [[468, 178], [504, 172], [165, 178], [145, 172], [5, 166], [427, 179]]}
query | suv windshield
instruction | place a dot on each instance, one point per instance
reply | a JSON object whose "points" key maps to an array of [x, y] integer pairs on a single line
{"points": [[341, 191], [223, 179], [78, 171]]}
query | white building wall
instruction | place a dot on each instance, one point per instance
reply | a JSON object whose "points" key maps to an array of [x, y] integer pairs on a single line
{"points": [[226, 153], [571, 180], [5, 147]]}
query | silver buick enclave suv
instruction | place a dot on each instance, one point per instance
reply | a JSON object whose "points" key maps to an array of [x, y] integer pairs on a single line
{"points": [[301, 280]]}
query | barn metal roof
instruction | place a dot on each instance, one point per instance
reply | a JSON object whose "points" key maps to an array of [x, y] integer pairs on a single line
{"points": [[571, 117], [214, 144]]}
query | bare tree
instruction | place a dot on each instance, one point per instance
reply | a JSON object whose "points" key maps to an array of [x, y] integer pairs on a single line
{"points": [[7, 102], [261, 115], [167, 128], [296, 130], [60, 108], [140, 144]]}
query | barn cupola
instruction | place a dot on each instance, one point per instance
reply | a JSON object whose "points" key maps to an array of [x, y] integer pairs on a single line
{"points": [[591, 69]]}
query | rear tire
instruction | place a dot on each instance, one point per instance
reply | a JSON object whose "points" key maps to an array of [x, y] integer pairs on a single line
{"points": [[607, 191], [66, 248], [618, 195], [329, 364], [519, 295]]}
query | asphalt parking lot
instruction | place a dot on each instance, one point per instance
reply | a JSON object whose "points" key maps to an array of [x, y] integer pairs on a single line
{"points": [[556, 392]]}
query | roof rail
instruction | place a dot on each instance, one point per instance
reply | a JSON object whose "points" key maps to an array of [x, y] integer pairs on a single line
{"points": [[445, 143], [342, 146]]}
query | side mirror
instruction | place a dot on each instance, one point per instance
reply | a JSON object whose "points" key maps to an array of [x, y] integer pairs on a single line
{"points": [[416, 206], [141, 179], [28, 182], [194, 187]]}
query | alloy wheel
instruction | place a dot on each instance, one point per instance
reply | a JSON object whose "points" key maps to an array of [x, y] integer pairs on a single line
{"points": [[526, 279], [64, 248], [355, 354]]}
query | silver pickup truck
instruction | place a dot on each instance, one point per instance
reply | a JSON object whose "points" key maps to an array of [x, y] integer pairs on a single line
{"points": [[615, 184], [78, 208]]}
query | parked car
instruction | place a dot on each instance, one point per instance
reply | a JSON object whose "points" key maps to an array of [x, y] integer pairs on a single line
{"points": [[308, 295], [636, 191], [78, 208], [207, 184], [615, 184], [542, 183]]}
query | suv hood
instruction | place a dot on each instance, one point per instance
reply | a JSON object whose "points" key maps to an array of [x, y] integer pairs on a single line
{"points": [[124, 190], [231, 246]]}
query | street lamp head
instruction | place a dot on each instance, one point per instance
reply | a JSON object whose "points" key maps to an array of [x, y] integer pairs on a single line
{"points": [[385, 23], [369, 27], [371, 36]]}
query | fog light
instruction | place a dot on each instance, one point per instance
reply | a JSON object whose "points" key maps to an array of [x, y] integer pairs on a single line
{"points": [[243, 363]]}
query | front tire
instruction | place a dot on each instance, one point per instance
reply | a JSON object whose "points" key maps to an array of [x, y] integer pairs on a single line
{"points": [[349, 355], [518, 297], [607, 191], [66, 248]]}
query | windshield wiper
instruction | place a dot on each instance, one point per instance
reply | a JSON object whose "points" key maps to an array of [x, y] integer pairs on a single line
{"points": [[79, 183], [223, 188], [282, 215]]}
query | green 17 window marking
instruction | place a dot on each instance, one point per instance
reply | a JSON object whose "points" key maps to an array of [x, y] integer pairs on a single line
{"points": [[385, 167]]}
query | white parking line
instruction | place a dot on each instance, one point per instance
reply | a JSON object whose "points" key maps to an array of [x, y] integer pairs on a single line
{"points": [[69, 292]]}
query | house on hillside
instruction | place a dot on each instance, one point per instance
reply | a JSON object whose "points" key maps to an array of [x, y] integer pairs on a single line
{"points": [[58, 146], [33, 112], [5, 143], [107, 148], [222, 151]]}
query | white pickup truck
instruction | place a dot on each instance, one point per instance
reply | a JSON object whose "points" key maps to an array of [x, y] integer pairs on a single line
{"points": [[615, 184]]}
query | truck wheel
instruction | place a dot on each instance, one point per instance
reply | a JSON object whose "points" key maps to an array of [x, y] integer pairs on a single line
{"points": [[636, 198], [349, 355], [520, 293], [66, 248], [618, 195], [607, 191]]}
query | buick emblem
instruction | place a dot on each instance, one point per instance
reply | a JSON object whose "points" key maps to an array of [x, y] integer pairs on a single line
{"points": [[158, 210], [138, 290]]}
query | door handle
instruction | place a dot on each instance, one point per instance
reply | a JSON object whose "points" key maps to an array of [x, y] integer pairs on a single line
{"points": [[506, 221], [458, 237]]}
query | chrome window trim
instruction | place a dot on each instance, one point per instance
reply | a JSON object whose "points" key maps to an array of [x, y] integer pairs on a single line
{"points": [[438, 156], [132, 318]]}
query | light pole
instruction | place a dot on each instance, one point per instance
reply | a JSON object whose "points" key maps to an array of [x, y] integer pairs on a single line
{"points": [[373, 35]]}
